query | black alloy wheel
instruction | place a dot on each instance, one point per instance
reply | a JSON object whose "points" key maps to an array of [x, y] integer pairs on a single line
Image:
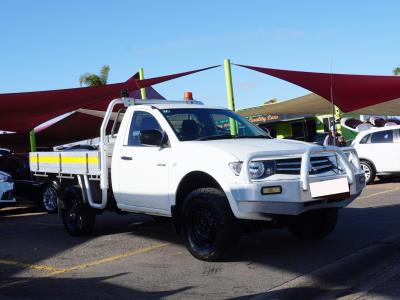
{"points": [[78, 218], [208, 226]]}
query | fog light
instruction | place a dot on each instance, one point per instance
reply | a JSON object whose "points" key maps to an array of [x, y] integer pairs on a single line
{"points": [[268, 190]]}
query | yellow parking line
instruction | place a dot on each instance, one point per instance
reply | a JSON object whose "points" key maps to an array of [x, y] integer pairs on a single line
{"points": [[108, 259], [379, 193], [52, 271], [29, 266]]}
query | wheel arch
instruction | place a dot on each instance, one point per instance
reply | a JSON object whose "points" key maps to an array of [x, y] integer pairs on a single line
{"points": [[190, 182]]}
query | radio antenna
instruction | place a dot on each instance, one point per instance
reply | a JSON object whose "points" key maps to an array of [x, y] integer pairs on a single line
{"points": [[333, 108]]}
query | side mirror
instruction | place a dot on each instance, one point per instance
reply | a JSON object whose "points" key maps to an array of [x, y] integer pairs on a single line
{"points": [[150, 137]]}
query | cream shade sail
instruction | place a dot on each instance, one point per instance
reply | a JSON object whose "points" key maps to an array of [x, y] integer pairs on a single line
{"points": [[314, 104]]}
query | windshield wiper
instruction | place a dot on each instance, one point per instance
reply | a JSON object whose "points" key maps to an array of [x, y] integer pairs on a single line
{"points": [[260, 136], [217, 137], [229, 136]]}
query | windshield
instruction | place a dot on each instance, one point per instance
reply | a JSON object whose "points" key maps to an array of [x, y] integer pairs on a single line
{"points": [[200, 124]]}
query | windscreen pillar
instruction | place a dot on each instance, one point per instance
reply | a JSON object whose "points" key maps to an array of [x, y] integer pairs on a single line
{"points": [[142, 90], [32, 140], [229, 94]]}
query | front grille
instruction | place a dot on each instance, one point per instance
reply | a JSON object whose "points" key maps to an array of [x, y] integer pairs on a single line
{"points": [[319, 164]]}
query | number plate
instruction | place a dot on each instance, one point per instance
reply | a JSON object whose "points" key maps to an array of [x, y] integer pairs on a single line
{"points": [[329, 187]]}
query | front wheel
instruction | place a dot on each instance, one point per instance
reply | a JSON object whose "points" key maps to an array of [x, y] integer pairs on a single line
{"points": [[208, 226], [314, 224], [369, 171], [78, 217]]}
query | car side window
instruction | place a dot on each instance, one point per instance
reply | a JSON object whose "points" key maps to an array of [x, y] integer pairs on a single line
{"points": [[382, 137], [141, 120], [365, 139]]}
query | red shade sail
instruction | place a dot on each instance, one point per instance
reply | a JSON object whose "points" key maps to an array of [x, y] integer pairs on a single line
{"points": [[73, 128], [350, 92], [155, 80], [20, 112]]}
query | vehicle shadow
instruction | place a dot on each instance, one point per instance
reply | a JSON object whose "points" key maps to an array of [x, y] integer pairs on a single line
{"points": [[83, 288], [383, 180], [357, 228]]}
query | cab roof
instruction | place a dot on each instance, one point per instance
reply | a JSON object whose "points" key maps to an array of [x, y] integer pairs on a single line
{"points": [[169, 104]]}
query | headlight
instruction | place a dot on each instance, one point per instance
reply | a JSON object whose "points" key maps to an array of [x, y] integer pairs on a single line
{"points": [[261, 169], [256, 169], [4, 177], [236, 167]]}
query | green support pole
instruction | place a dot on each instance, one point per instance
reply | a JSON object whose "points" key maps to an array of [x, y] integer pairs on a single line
{"points": [[32, 139], [142, 90], [229, 94]]}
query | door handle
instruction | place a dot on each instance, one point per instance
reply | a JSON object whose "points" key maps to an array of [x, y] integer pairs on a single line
{"points": [[126, 157]]}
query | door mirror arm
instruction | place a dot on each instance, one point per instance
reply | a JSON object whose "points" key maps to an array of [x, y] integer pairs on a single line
{"points": [[164, 140]]}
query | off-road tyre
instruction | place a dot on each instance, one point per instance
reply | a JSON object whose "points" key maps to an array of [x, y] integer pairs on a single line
{"points": [[78, 217], [209, 228]]}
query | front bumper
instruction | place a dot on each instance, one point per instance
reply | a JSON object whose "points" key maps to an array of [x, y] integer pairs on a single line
{"points": [[293, 199]]}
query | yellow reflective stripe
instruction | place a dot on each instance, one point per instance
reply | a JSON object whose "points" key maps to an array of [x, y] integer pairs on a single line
{"points": [[65, 160]]}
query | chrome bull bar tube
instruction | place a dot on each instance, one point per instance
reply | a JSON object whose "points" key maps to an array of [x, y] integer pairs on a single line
{"points": [[305, 163], [103, 155]]}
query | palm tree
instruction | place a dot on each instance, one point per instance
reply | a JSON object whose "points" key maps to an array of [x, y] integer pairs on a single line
{"points": [[396, 71], [88, 79], [271, 101]]}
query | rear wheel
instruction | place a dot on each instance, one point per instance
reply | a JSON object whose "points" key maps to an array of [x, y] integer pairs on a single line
{"points": [[314, 224], [50, 198], [208, 226], [369, 171], [78, 218]]}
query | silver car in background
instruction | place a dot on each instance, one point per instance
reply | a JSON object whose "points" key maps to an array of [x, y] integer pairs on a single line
{"points": [[7, 196]]}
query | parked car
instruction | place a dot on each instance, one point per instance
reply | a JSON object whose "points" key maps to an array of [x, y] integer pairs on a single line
{"points": [[378, 150], [6, 189], [4, 151], [43, 192]]}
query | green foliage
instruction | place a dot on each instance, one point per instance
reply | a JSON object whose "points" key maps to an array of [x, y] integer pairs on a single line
{"points": [[88, 79], [396, 71]]}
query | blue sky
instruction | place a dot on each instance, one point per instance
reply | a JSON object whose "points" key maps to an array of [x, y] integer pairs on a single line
{"points": [[49, 44]]}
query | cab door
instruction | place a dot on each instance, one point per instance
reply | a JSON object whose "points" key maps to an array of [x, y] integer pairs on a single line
{"points": [[383, 150], [143, 169]]}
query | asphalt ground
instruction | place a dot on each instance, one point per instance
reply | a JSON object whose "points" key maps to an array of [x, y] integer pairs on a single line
{"points": [[133, 257]]}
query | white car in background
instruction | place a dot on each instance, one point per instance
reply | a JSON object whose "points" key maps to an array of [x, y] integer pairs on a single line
{"points": [[6, 189], [378, 150]]}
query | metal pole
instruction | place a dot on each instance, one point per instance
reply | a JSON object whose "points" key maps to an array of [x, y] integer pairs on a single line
{"points": [[142, 90], [32, 139], [229, 94]]}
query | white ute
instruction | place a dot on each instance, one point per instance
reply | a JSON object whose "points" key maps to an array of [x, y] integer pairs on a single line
{"points": [[209, 169]]}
